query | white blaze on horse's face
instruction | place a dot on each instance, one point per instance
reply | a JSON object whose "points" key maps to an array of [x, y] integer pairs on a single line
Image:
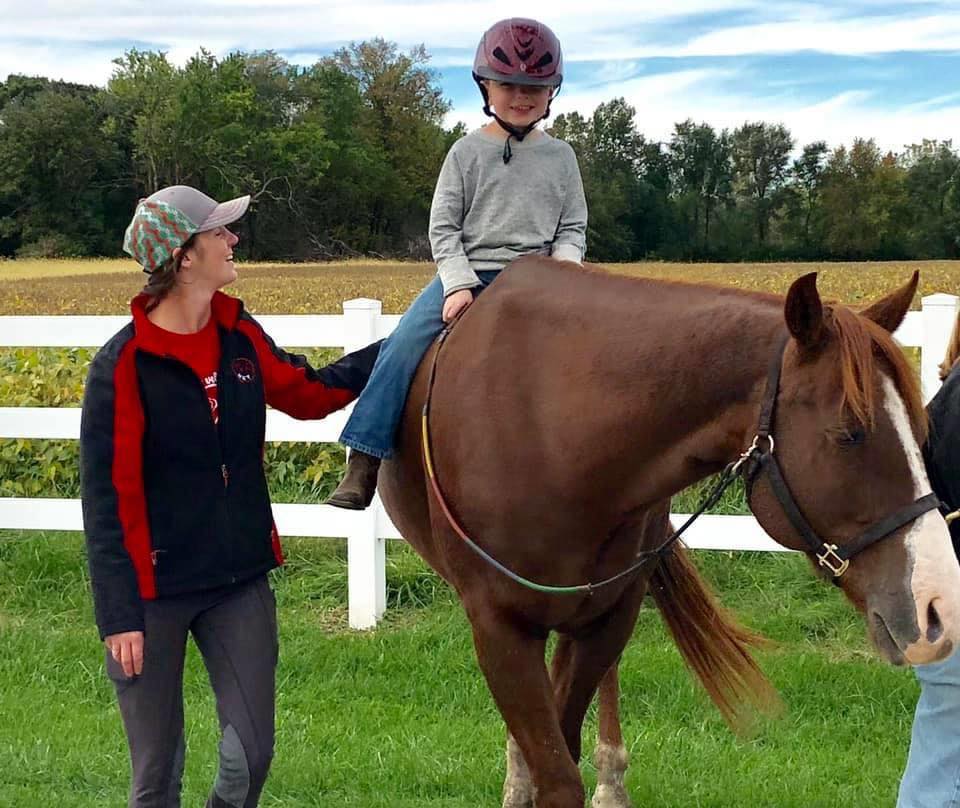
{"points": [[932, 566]]}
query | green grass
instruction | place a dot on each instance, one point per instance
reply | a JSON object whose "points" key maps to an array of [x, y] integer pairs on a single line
{"points": [[401, 716]]}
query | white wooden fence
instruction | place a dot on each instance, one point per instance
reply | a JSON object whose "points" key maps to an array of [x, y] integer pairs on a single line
{"points": [[361, 323]]}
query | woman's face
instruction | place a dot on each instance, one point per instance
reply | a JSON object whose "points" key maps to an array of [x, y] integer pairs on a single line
{"points": [[209, 260], [518, 104]]}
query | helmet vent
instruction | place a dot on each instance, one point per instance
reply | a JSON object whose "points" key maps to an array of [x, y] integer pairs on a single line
{"points": [[546, 59], [498, 52]]}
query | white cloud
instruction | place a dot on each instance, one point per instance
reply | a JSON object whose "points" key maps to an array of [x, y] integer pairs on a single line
{"points": [[852, 36], [601, 30], [599, 26], [89, 66], [443, 22], [77, 40]]}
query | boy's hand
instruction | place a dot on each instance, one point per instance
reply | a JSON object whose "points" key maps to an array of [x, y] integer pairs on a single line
{"points": [[127, 649], [456, 303]]}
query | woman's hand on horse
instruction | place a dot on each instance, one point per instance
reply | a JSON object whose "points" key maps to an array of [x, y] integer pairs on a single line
{"points": [[127, 649], [456, 303]]}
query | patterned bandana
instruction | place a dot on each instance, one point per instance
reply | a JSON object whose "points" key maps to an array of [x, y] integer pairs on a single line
{"points": [[156, 230]]}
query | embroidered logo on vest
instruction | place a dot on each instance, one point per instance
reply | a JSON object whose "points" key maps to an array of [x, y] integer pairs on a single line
{"points": [[244, 370]]}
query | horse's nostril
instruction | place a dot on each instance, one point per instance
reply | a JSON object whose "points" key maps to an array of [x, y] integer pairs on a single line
{"points": [[934, 626]]}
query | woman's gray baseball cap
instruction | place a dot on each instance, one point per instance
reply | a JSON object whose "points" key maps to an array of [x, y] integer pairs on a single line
{"points": [[167, 219]]}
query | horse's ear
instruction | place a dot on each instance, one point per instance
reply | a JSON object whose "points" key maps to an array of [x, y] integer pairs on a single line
{"points": [[888, 312], [804, 312]]}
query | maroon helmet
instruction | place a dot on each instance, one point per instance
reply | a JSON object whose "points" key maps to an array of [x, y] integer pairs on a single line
{"points": [[519, 51]]}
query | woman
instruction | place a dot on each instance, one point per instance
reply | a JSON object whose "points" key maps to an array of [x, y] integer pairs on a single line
{"points": [[177, 518], [932, 775]]}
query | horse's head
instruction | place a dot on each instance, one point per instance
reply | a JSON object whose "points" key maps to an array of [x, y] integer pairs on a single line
{"points": [[848, 426]]}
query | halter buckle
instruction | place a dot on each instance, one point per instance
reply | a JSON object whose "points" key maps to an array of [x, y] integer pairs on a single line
{"points": [[832, 561]]}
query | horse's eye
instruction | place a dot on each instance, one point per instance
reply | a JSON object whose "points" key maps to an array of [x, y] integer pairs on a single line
{"points": [[850, 437]]}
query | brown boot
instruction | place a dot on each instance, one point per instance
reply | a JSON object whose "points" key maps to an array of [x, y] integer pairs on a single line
{"points": [[359, 484]]}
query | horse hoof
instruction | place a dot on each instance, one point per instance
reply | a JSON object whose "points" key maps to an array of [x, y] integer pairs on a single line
{"points": [[610, 796]]}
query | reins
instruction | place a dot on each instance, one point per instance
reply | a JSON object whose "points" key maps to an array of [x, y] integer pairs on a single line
{"points": [[757, 459]]}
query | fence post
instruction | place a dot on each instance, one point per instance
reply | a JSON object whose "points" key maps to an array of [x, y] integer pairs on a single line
{"points": [[939, 315], [366, 559]]}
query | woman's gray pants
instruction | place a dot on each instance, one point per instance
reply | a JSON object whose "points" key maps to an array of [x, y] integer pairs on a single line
{"points": [[236, 631]]}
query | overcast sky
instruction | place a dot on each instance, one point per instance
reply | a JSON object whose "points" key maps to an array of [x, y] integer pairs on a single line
{"points": [[871, 68]]}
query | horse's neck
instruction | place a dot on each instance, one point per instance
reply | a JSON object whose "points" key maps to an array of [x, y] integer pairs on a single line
{"points": [[696, 330], [708, 361]]}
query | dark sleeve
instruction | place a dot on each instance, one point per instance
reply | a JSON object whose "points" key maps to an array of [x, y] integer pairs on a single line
{"points": [[296, 388], [351, 371], [941, 452], [116, 597]]}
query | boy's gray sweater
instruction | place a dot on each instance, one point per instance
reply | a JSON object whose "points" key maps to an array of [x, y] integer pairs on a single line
{"points": [[486, 212]]}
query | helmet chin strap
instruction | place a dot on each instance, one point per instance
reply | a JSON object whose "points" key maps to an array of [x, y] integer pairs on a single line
{"points": [[519, 132]]}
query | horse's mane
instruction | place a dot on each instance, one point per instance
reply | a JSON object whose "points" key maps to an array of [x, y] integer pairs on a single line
{"points": [[861, 342]]}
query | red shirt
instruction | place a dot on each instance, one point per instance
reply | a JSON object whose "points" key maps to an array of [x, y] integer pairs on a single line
{"points": [[200, 351]]}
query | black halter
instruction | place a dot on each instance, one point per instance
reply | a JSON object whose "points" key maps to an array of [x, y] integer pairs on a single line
{"points": [[760, 457]]}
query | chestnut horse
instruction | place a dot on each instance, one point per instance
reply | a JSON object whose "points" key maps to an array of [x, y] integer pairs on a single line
{"points": [[569, 405]]}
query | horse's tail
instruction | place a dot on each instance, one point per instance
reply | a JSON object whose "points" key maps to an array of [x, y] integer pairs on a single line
{"points": [[713, 644]]}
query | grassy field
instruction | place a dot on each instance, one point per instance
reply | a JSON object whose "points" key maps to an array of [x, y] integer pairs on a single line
{"points": [[401, 717], [29, 268], [105, 287]]}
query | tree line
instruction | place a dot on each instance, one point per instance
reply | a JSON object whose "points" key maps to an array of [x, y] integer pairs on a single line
{"points": [[341, 159]]}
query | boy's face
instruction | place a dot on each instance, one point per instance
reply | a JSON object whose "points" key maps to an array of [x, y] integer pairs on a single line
{"points": [[518, 104]]}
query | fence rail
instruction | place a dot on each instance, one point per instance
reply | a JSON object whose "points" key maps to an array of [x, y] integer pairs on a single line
{"points": [[362, 322]]}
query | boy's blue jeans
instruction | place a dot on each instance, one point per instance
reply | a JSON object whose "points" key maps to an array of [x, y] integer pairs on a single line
{"points": [[932, 776], [372, 425]]}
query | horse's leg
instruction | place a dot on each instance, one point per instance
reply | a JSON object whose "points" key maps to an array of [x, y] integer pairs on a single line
{"points": [[611, 756], [518, 791], [512, 662], [580, 664]]}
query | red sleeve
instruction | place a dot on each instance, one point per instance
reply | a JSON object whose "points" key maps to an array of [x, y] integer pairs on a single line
{"points": [[289, 382]]}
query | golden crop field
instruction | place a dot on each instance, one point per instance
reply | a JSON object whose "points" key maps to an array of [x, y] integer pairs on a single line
{"points": [[106, 286]]}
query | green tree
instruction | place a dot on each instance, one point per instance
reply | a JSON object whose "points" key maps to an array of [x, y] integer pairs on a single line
{"points": [[804, 209], [865, 202], [144, 88], [888, 209], [761, 155], [403, 108], [702, 173], [933, 190], [625, 181], [60, 173]]}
